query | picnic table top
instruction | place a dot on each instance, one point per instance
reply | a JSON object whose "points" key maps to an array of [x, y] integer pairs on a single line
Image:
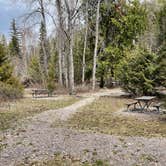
{"points": [[145, 98], [39, 90]]}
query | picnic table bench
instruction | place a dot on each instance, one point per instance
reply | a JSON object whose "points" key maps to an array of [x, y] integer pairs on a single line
{"points": [[158, 106], [36, 92], [133, 103]]}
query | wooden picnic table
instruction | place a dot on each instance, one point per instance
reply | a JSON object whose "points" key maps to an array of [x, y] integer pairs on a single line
{"points": [[145, 102], [36, 92]]}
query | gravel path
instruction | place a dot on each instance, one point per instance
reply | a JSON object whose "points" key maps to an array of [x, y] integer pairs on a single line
{"points": [[63, 113], [36, 140]]}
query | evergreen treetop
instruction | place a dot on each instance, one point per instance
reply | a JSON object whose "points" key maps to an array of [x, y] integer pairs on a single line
{"points": [[14, 45]]}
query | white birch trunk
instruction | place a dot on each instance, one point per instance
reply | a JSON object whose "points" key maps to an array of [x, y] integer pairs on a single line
{"points": [[71, 64], [24, 51], [60, 36], [60, 59], [44, 42], [64, 68], [65, 59], [96, 46], [70, 9], [85, 45]]}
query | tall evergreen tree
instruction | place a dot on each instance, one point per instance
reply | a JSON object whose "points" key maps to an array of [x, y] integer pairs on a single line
{"points": [[5, 68], [10, 87], [44, 51], [14, 43]]}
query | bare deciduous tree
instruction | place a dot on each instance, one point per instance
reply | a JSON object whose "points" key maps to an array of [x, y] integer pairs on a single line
{"points": [[72, 11], [39, 9]]}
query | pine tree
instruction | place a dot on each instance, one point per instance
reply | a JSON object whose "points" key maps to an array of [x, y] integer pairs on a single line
{"points": [[51, 85], [5, 68], [14, 43], [10, 87], [34, 70], [44, 51]]}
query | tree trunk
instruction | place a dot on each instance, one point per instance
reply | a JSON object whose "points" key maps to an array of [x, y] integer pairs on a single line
{"points": [[60, 58], [70, 11], [102, 82], [62, 53], [64, 66], [24, 51], [60, 36], [85, 44], [44, 42], [65, 57], [96, 46], [71, 64]]}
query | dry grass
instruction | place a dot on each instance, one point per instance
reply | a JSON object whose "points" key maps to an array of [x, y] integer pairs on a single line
{"points": [[29, 107], [100, 117]]}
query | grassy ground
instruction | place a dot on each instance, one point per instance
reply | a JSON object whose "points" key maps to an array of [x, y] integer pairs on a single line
{"points": [[60, 160], [100, 117], [29, 107]]}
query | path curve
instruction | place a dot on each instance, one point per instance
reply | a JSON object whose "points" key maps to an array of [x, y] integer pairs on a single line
{"points": [[63, 113]]}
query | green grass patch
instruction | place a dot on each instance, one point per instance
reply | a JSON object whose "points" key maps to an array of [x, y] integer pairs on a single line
{"points": [[100, 117], [29, 107]]}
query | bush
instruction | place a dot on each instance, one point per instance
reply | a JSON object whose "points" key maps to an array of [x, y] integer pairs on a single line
{"points": [[137, 72], [10, 88], [10, 91]]}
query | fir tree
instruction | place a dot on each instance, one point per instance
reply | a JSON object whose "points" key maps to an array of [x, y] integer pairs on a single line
{"points": [[14, 44], [51, 85], [44, 52], [136, 72], [10, 87], [5, 68], [34, 70]]}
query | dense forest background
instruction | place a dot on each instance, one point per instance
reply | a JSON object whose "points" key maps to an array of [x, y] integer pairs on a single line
{"points": [[91, 44]]}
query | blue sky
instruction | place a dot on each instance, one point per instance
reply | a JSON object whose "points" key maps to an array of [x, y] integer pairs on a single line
{"points": [[8, 11]]}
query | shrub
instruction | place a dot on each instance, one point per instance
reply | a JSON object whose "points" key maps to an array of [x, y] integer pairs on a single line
{"points": [[10, 91], [137, 72], [10, 88]]}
